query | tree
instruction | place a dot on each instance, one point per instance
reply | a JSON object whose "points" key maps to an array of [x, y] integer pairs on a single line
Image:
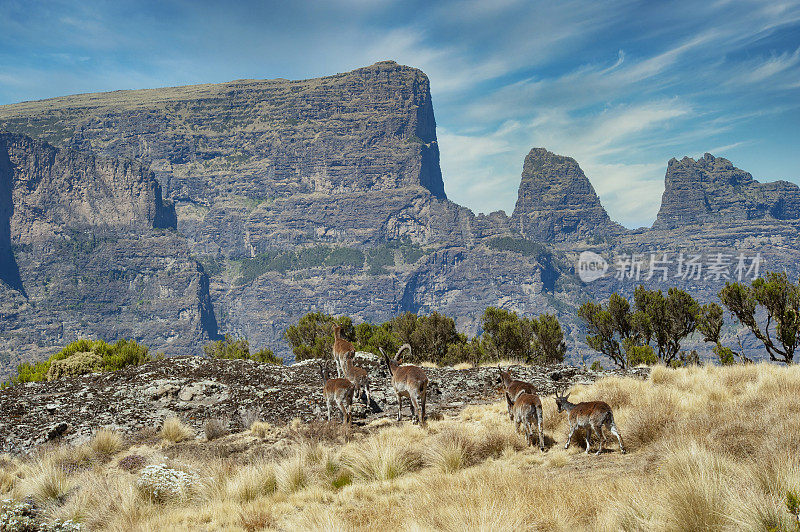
{"points": [[312, 337], [780, 299], [548, 344], [666, 320], [709, 323], [506, 335], [626, 335]]}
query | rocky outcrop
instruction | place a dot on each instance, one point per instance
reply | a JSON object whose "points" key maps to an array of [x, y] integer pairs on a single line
{"points": [[711, 189], [556, 201], [90, 249], [198, 389]]}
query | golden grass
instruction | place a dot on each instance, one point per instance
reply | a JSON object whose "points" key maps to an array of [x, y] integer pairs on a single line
{"points": [[175, 431], [710, 449], [106, 442]]}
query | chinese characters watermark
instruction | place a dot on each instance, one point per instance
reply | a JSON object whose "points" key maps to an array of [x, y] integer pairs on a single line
{"points": [[663, 266]]}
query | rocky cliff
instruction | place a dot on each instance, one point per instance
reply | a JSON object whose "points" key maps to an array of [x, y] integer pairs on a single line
{"points": [[321, 194], [556, 201], [711, 189], [90, 248]]}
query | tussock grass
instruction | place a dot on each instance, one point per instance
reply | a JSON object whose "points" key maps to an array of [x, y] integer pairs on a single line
{"points": [[106, 443], [173, 430], [710, 449]]}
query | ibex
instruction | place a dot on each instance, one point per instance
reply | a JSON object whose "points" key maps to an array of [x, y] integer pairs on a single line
{"points": [[589, 416], [408, 381], [341, 350], [358, 376], [514, 389], [337, 392], [527, 411]]}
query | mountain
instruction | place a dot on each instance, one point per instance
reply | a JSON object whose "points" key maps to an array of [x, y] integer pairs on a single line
{"points": [[711, 189], [283, 197], [556, 201], [321, 194], [88, 247]]}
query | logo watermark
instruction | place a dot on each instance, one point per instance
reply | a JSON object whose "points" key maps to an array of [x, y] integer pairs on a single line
{"points": [[591, 266], [663, 266]]}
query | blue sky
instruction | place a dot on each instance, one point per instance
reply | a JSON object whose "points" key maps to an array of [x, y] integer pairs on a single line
{"points": [[621, 86]]}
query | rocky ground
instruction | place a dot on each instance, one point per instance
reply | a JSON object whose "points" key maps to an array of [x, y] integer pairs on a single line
{"points": [[197, 389]]}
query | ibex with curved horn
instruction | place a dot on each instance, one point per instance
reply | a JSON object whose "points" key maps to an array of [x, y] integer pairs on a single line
{"points": [[408, 381], [590, 416]]}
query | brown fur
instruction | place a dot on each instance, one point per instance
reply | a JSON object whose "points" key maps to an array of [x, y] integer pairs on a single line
{"points": [[590, 416], [513, 389], [527, 415], [341, 350], [338, 392], [358, 376], [408, 381]]}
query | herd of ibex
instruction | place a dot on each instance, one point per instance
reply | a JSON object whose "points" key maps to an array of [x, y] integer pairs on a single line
{"points": [[524, 405]]}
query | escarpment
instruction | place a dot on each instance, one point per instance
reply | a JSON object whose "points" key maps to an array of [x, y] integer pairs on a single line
{"points": [[89, 248], [711, 189]]}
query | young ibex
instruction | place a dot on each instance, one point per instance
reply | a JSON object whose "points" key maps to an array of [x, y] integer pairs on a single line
{"points": [[358, 376], [527, 411], [590, 416], [341, 350], [514, 389], [408, 381], [337, 392]]}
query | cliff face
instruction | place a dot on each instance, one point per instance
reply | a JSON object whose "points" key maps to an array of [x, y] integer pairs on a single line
{"points": [[89, 248], [556, 201], [711, 189], [220, 150], [321, 194]]}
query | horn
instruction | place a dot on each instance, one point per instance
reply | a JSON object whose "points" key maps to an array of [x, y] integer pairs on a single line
{"points": [[400, 350]]}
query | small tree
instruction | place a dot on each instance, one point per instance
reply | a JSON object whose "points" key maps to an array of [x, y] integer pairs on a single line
{"points": [[548, 343], [312, 337], [709, 323], [780, 300]]}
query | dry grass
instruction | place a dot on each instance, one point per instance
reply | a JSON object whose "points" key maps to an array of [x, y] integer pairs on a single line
{"points": [[711, 449], [106, 443], [175, 431]]}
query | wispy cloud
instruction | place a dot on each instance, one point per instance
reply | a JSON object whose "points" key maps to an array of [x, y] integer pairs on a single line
{"points": [[622, 85]]}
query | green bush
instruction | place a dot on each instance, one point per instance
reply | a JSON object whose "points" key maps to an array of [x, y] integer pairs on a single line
{"points": [[239, 349], [84, 356], [80, 363]]}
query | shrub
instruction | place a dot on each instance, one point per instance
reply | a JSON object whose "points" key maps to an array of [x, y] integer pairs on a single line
{"points": [[78, 364], [175, 431], [85, 356], [215, 428], [239, 349], [163, 484]]}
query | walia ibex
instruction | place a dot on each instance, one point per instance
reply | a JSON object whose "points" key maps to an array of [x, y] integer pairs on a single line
{"points": [[341, 350], [527, 411], [358, 376], [337, 392], [514, 389], [408, 381], [590, 416]]}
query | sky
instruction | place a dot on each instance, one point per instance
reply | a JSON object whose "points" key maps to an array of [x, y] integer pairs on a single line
{"points": [[621, 86]]}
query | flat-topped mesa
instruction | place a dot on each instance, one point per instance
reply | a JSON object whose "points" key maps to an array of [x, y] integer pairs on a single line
{"points": [[369, 129], [556, 201], [51, 191], [711, 189]]}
